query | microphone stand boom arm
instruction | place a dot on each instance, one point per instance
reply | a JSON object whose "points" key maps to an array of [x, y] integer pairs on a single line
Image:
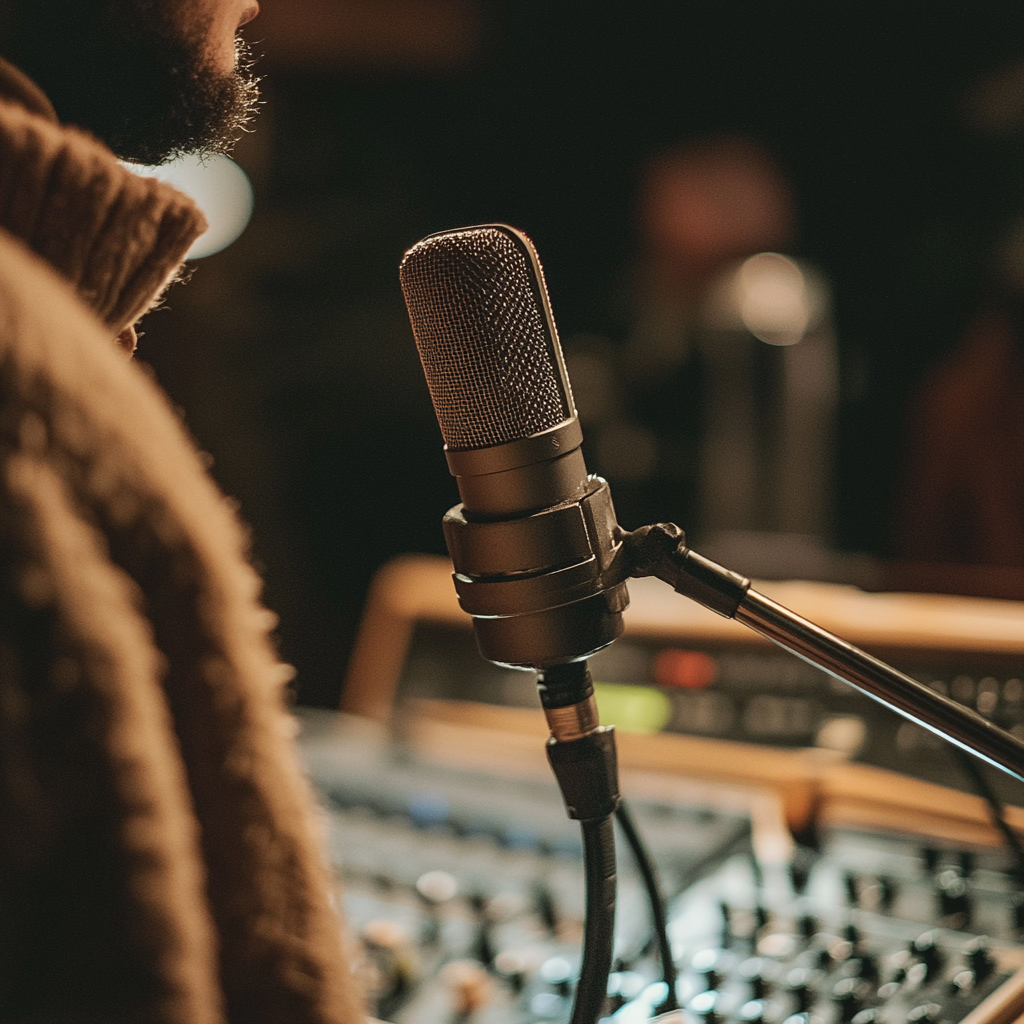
{"points": [[661, 551]]}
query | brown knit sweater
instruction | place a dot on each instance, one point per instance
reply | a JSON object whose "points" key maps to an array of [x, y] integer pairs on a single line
{"points": [[158, 855]]}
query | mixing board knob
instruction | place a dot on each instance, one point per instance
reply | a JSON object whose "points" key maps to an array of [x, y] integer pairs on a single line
{"points": [[624, 986], [776, 944], [917, 974], [395, 970], [513, 965], [549, 1006], [899, 962], [434, 888], [865, 966], [840, 951], [886, 893], [753, 973], [469, 986], [705, 1006], [977, 954], [713, 964], [927, 952], [798, 981], [848, 995], [953, 898], [558, 973], [962, 983], [927, 1013], [752, 1012], [385, 934], [867, 1016], [798, 1018]]}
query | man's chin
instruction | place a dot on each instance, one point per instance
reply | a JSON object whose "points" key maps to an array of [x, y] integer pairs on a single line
{"points": [[209, 123], [203, 112]]}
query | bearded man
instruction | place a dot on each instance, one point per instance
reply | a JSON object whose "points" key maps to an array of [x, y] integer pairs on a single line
{"points": [[157, 857]]}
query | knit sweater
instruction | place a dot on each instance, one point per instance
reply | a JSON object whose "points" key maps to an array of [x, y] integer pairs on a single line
{"points": [[159, 856]]}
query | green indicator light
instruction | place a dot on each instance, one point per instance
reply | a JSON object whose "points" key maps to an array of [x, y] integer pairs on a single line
{"points": [[632, 708]]}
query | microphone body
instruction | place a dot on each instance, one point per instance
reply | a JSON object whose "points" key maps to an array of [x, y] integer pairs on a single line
{"points": [[534, 541]]}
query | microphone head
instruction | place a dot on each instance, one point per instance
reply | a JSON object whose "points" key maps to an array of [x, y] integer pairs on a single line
{"points": [[480, 315], [534, 541]]}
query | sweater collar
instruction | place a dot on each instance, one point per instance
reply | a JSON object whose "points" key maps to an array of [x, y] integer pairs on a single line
{"points": [[17, 87], [118, 238]]}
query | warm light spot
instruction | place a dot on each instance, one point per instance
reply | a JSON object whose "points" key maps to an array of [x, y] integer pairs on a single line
{"points": [[632, 708], [220, 188], [846, 734], [771, 295], [688, 670]]}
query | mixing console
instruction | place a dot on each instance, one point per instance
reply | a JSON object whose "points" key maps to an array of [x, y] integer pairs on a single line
{"points": [[754, 695], [682, 670], [465, 890], [864, 929]]}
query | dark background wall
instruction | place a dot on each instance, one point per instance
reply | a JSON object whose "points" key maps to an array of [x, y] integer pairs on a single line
{"points": [[290, 354]]}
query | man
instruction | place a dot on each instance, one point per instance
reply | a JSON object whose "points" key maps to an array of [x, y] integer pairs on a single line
{"points": [[157, 857]]}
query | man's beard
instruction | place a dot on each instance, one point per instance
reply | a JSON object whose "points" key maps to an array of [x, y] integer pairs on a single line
{"points": [[124, 70]]}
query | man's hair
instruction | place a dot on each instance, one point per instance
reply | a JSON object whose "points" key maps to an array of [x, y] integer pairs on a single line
{"points": [[133, 74]]}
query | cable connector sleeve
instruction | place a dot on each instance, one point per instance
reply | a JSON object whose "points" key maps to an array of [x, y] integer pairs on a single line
{"points": [[587, 773], [559, 686]]}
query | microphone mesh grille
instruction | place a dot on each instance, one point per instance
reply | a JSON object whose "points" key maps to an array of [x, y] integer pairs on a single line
{"points": [[483, 337]]}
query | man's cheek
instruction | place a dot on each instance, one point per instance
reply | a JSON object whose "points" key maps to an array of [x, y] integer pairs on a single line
{"points": [[213, 26]]}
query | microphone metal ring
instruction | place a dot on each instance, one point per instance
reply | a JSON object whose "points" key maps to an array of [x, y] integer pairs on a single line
{"points": [[573, 722]]}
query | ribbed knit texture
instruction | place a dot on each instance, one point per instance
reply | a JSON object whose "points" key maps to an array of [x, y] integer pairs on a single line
{"points": [[117, 238], [159, 856]]}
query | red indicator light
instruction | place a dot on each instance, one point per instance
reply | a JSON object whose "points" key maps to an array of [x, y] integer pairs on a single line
{"points": [[688, 670]]}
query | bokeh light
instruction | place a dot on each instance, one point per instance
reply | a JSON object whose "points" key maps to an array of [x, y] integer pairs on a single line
{"points": [[221, 189], [771, 295]]}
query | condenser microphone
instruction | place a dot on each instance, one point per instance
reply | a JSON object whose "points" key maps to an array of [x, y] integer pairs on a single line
{"points": [[534, 541]]}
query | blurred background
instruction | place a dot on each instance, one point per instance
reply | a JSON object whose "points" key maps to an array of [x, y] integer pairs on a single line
{"points": [[785, 249]]}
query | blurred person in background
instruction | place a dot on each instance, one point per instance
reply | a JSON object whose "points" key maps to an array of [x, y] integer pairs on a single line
{"points": [[960, 506], [158, 860], [719, 406], [700, 207], [962, 499]]}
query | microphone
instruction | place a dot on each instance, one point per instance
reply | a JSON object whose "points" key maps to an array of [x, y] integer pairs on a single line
{"points": [[534, 542]]}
